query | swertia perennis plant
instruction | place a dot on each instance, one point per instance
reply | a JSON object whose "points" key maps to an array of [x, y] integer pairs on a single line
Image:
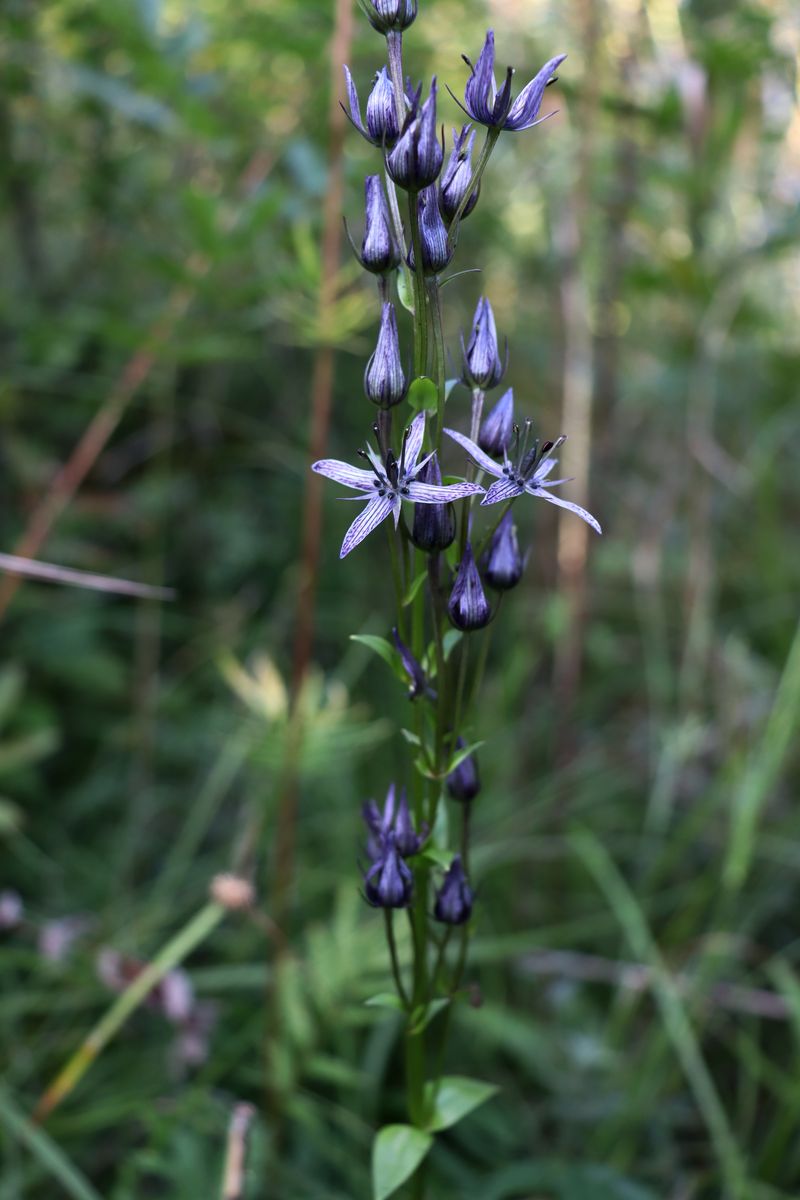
{"points": [[451, 562]]}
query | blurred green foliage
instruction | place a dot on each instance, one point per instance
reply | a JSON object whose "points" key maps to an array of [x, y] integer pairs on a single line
{"points": [[162, 168]]}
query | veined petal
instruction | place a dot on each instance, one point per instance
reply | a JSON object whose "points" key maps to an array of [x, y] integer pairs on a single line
{"points": [[525, 109], [480, 90], [544, 468], [575, 508], [476, 454], [342, 472], [429, 493], [355, 107], [416, 433], [504, 489], [368, 519]]}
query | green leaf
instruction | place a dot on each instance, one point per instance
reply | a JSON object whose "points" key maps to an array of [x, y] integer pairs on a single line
{"points": [[422, 394], [396, 1153], [450, 641], [411, 738], [405, 293], [424, 1014], [460, 755], [385, 1000], [378, 644], [455, 1098], [438, 856], [448, 387], [414, 587]]}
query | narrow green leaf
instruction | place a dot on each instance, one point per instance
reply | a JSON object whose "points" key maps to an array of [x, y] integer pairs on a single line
{"points": [[414, 588], [378, 644], [50, 1156], [460, 755], [385, 1000], [422, 1016], [411, 738], [422, 394], [455, 1097], [450, 641], [437, 856], [396, 1153], [448, 387], [405, 292]]}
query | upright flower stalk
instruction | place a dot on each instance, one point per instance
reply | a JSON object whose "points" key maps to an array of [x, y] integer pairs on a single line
{"points": [[451, 563]]}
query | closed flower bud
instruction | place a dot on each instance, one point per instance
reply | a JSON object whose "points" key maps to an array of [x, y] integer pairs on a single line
{"points": [[503, 563], [384, 381], [379, 252], [390, 15], [468, 607], [416, 676], [456, 176], [434, 527], [495, 432], [436, 248], [389, 882], [416, 160], [464, 782], [483, 367], [454, 899], [381, 128]]}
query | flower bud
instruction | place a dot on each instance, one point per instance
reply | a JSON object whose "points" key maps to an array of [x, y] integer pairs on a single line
{"points": [[468, 607], [482, 365], [406, 837], [389, 15], [455, 178], [436, 248], [495, 432], [379, 252], [416, 160], [503, 563], [434, 525], [464, 783], [384, 381], [389, 882], [453, 905], [416, 675], [381, 128]]}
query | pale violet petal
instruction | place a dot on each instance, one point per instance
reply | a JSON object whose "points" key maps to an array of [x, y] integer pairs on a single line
{"points": [[343, 472], [575, 508], [430, 493], [544, 468], [368, 519], [504, 489], [476, 454], [416, 433]]}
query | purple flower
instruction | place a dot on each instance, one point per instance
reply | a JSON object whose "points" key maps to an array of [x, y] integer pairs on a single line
{"points": [[468, 607], [464, 782], [483, 367], [456, 176], [415, 673], [381, 128], [384, 381], [416, 160], [379, 250], [504, 565], [388, 15], [436, 248], [454, 899], [497, 427], [434, 527], [528, 474], [389, 882], [487, 106], [395, 819], [389, 483]]}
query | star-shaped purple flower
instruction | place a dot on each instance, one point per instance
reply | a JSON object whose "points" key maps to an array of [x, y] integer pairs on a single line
{"points": [[529, 473], [487, 106], [389, 483]]}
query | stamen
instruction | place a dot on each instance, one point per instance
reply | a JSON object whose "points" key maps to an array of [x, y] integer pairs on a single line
{"points": [[403, 450], [374, 469]]}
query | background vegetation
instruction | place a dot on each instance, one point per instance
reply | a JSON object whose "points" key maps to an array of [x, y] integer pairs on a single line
{"points": [[163, 166]]}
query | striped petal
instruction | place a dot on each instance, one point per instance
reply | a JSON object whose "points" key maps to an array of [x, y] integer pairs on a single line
{"points": [[429, 493], [414, 444], [342, 472], [368, 519], [476, 454], [575, 508], [504, 489]]}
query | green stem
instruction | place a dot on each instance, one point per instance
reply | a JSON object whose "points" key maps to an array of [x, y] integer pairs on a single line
{"points": [[388, 914], [420, 304], [486, 150], [439, 361], [397, 580]]}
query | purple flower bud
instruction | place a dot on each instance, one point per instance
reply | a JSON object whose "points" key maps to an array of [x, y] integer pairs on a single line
{"points": [[395, 820], [464, 782], [384, 381], [495, 432], [456, 176], [492, 106], [436, 248], [388, 15], [416, 160], [410, 665], [434, 524], [504, 563], [406, 837], [468, 607], [482, 365], [453, 905], [389, 882], [381, 128], [379, 252]]}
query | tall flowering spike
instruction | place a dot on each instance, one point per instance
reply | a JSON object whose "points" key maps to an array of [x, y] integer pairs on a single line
{"points": [[436, 248], [412, 668], [379, 250], [389, 882], [468, 607], [416, 160], [488, 106], [434, 527], [381, 128], [456, 176], [504, 565], [454, 899], [495, 432], [389, 16], [384, 381], [483, 367], [464, 782]]}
